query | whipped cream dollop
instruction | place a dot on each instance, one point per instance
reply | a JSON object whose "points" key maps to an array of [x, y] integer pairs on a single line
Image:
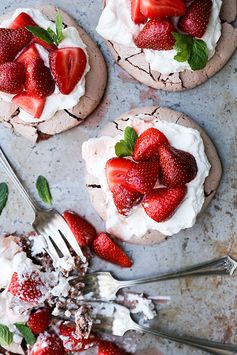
{"points": [[116, 25], [57, 101], [97, 151]]}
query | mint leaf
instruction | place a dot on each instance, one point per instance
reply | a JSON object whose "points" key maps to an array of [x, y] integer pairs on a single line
{"points": [[3, 195], [122, 150], [6, 336], [59, 27], [52, 35], [199, 55], [130, 137], [183, 46], [40, 33], [42, 186], [26, 332]]}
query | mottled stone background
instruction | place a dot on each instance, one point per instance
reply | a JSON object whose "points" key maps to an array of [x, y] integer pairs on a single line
{"points": [[204, 307]]}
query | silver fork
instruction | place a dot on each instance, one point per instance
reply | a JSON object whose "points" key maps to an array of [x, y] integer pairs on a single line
{"points": [[117, 320], [103, 286], [47, 222]]}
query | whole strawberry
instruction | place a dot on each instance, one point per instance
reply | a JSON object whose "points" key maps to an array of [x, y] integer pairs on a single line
{"points": [[196, 19], [160, 204], [157, 35], [39, 320], [177, 167], [143, 176], [12, 77], [109, 348]]}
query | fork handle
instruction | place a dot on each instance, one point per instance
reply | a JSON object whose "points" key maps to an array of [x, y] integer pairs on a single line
{"points": [[221, 266], [206, 345], [12, 175]]}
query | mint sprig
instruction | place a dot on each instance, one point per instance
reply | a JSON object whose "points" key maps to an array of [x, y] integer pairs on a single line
{"points": [[49, 36], [125, 147], [43, 189], [26, 332], [6, 336], [191, 50], [3, 196]]}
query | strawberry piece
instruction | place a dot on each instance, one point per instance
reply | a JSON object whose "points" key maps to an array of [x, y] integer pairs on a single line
{"points": [[27, 287], [109, 348], [147, 144], [136, 14], [72, 342], [67, 66], [39, 321], [33, 105], [163, 8], [29, 55], [106, 249], [196, 20], [12, 77], [116, 170], [156, 34], [48, 344], [124, 199], [143, 176], [160, 204], [22, 21], [177, 167], [12, 42], [83, 231]]}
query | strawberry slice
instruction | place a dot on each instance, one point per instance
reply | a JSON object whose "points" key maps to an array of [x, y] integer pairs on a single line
{"points": [[125, 199], [48, 344], [177, 167], [29, 55], [72, 342], [12, 42], [160, 204], [147, 144], [157, 35], [196, 19], [32, 105], [106, 249], [12, 77], [136, 14], [22, 21], [116, 170], [109, 348], [27, 287], [143, 176], [39, 320], [163, 8], [83, 231], [67, 66]]}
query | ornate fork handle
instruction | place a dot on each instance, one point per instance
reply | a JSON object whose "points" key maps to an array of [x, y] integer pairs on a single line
{"points": [[221, 266], [209, 346]]}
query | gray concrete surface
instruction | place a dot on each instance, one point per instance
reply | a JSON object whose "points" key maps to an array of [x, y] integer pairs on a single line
{"points": [[200, 307]]}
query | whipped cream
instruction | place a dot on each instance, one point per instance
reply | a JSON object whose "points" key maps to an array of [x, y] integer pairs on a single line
{"points": [[97, 151], [57, 101], [116, 25]]}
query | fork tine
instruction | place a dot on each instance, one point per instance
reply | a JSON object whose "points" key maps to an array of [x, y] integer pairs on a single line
{"points": [[52, 251], [57, 241]]}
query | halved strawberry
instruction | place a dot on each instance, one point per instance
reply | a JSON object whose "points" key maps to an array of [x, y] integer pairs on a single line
{"points": [[32, 105], [157, 35], [83, 231], [28, 55], [116, 170], [136, 14], [125, 199], [48, 344], [39, 320], [106, 249], [177, 167], [22, 21], [147, 144], [72, 342], [27, 287], [143, 176], [196, 20], [12, 77], [160, 204], [67, 66], [109, 348], [156, 9], [12, 42]]}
